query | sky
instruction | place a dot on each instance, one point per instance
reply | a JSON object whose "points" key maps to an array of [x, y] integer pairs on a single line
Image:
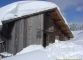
{"points": [[72, 10]]}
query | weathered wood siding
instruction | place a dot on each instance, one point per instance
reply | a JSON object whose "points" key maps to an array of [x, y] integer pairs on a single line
{"points": [[38, 29], [25, 32], [52, 30]]}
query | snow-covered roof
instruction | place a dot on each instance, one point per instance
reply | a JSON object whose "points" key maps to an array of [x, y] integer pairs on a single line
{"points": [[21, 8]]}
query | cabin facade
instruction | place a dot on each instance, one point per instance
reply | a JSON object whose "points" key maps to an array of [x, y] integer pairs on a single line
{"points": [[39, 28]]}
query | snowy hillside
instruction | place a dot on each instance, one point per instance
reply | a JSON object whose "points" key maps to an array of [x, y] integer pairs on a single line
{"points": [[61, 49], [78, 39]]}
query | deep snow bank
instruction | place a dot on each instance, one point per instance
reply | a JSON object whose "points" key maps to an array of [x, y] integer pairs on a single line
{"points": [[34, 55], [65, 50], [30, 49], [60, 49], [78, 37]]}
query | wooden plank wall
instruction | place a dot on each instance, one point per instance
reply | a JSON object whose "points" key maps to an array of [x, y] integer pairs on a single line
{"points": [[49, 29], [0, 47], [51, 25], [25, 32], [29, 31]]}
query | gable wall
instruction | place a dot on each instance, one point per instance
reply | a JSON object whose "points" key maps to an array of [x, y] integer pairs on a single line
{"points": [[24, 32]]}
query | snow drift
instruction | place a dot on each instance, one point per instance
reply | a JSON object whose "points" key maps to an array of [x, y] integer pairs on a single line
{"points": [[71, 49], [35, 55], [30, 49]]}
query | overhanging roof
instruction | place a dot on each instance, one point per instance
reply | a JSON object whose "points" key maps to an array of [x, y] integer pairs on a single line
{"points": [[61, 22]]}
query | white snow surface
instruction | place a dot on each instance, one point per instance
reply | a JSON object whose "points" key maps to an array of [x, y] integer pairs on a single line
{"points": [[72, 49], [30, 49], [78, 37], [21, 8], [34, 55], [6, 54]]}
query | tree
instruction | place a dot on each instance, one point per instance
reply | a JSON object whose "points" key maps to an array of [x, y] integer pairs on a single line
{"points": [[74, 26]]}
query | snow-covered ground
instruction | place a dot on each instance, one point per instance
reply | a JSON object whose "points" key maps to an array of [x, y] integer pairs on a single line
{"points": [[78, 39], [31, 48], [68, 49], [72, 49], [6, 54]]}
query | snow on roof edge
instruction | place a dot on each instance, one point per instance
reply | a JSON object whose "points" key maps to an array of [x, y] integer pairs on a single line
{"points": [[16, 9]]}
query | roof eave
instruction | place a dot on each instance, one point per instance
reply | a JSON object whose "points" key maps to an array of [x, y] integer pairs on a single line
{"points": [[60, 21]]}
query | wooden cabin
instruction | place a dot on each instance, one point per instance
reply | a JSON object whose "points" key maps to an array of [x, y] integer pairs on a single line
{"points": [[37, 28]]}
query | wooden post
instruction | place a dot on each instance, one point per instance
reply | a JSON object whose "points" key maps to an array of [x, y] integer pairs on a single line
{"points": [[57, 37], [0, 58]]}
